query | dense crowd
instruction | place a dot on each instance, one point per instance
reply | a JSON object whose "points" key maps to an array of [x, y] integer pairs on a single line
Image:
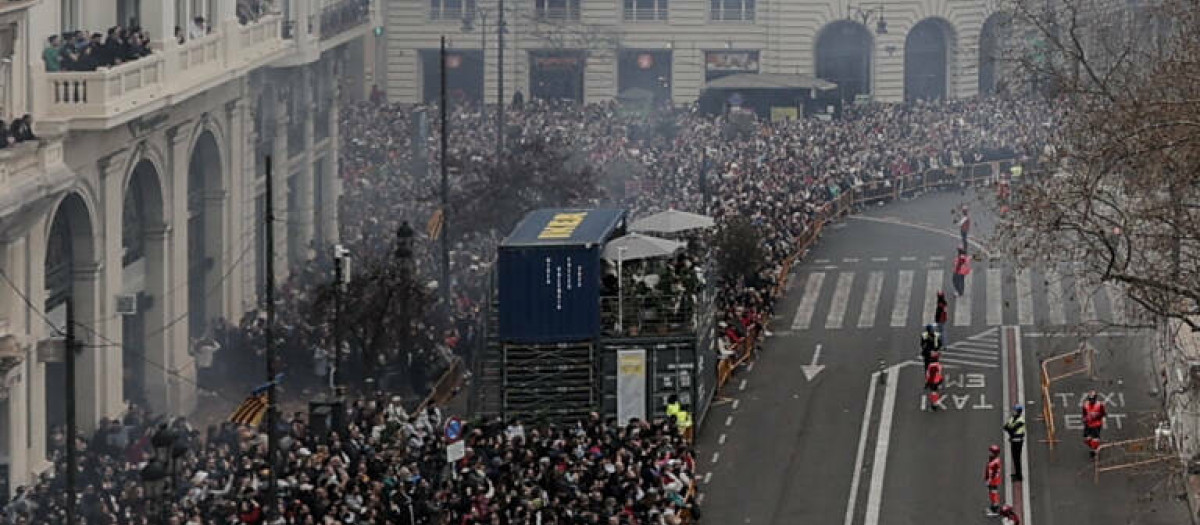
{"points": [[388, 466]]}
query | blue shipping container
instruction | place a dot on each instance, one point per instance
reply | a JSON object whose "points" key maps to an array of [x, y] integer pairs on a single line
{"points": [[549, 274]]}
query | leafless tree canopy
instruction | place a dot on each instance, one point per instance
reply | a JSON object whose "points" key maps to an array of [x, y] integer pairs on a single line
{"points": [[1121, 191]]}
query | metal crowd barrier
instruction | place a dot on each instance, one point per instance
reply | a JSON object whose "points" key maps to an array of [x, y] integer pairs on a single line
{"points": [[982, 173]]}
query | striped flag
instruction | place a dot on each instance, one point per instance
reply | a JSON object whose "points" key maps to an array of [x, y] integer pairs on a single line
{"points": [[251, 411]]}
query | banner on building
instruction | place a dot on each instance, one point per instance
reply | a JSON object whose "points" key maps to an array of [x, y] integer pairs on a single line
{"points": [[779, 113], [721, 63], [631, 385]]}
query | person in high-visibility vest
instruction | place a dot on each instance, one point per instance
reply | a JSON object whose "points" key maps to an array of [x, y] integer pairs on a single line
{"points": [[1010, 515], [933, 380], [991, 476], [1015, 427], [683, 420], [1094, 413]]}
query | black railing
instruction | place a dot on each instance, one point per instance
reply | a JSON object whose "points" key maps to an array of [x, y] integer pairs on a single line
{"points": [[344, 16]]}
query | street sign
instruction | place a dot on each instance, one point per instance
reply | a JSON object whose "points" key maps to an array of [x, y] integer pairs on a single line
{"points": [[455, 451], [454, 429]]}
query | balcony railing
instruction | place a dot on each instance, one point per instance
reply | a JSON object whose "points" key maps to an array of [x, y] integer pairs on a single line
{"points": [[645, 15], [654, 314], [110, 93], [558, 13], [343, 16]]}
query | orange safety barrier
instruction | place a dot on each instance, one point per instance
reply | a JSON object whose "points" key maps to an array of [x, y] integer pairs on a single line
{"points": [[1131, 453], [1057, 368], [968, 175]]}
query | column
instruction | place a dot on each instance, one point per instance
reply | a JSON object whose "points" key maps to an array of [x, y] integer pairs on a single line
{"points": [[158, 17], [300, 220], [172, 299], [111, 171], [156, 317], [30, 275], [92, 390], [236, 236], [280, 170], [328, 176]]}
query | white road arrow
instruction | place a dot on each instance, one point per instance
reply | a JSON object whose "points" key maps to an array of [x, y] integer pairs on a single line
{"points": [[811, 370]]}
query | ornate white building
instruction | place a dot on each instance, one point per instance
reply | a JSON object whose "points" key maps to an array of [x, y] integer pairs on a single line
{"points": [[143, 199], [593, 50]]}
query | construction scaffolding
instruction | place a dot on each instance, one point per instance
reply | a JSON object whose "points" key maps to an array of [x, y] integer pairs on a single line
{"points": [[554, 382], [1057, 368]]}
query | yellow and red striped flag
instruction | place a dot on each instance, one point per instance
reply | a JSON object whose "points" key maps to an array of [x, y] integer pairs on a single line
{"points": [[251, 411]]}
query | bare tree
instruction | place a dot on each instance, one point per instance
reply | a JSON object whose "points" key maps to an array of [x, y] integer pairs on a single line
{"points": [[563, 34], [1122, 195]]}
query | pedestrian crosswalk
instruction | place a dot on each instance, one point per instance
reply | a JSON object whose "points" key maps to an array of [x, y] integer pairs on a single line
{"points": [[980, 350], [905, 297]]}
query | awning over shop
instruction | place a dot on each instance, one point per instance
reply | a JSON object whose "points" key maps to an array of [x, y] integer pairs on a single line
{"points": [[770, 81]]}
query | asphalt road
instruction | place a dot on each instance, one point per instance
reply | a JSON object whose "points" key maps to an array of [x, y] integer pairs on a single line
{"points": [[853, 445]]}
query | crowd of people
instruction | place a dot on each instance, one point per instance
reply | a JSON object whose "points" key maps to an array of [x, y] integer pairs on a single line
{"points": [[21, 130], [385, 465], [77, 51]]}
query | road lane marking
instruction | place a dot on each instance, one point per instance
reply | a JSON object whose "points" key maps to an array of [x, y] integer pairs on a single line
{"points": [[1076, 335], [1024, 298], [750, 367], [952, 360], [882, 442], [870, 302], [707, 478], [742, 385], [716, 456], [808, 302], [962, 305], [841, 299], [969, 350], [908, 258], [903, 297], [1054, 296], [1116, 301], [729, 421], [863, 435], [721, 440], [821, 261], [937, 258], [1014, 393], [933, 284], [995, 298], [879, 259], [735, 403], [850, 259]]}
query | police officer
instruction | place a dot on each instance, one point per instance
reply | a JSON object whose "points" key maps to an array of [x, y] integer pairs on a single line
{"points": [[930, 341], [1015, 428]]}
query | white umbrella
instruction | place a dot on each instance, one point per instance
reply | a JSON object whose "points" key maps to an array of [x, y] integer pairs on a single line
{"points": [[637, 246], [672, 221]]}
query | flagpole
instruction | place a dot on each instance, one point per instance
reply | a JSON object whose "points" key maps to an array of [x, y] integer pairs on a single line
{"points": [[268, 332]]}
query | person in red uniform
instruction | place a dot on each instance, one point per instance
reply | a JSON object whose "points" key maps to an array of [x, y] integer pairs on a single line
{"points": [[1009, 514], [1094, 413], [991, 476], [934, 378]]}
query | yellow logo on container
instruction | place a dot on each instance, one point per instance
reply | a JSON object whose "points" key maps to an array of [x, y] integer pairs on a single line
{"points": [[562, 225]]}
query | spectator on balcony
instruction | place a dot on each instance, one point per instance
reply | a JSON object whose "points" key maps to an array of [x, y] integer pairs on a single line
{"points": [[51, 55], [22, 129], [198, 29], [179, 38], [113, 51]]}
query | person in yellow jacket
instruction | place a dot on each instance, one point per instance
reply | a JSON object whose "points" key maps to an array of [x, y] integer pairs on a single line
{"points": [[683, 419]]}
